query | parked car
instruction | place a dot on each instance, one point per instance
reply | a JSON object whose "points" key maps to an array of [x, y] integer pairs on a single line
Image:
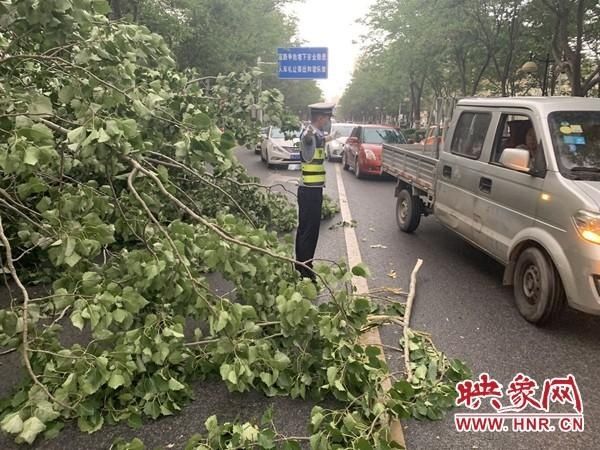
{"points": [[518, 178], [335, 148], [362, 151], [280, 149], [261, 139]]}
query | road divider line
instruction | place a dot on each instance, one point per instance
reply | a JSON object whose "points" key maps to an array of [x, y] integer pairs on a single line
{"points": [[371, 337]]}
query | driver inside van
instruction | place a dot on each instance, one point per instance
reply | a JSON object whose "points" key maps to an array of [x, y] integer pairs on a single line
{"points": [[530, 144]]}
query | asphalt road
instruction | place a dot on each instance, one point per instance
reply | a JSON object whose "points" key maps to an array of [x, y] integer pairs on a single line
{"points": [[462, 303]]}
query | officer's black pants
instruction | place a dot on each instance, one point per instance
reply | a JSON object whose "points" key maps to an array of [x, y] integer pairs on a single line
{"points": [[309, 221]]}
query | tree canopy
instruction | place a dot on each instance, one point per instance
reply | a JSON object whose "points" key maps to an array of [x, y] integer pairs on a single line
{"points": [[451, 48], [222, 36]]}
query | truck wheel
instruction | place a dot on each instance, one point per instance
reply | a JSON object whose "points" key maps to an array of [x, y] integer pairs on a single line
{"points": [[538, 290], [408, 211]]}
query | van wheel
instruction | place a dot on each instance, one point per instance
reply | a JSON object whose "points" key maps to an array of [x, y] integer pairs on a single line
{"points": [[538, 290], [408, 211], [345, 161]]}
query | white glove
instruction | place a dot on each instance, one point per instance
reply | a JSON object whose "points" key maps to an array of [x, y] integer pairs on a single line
{"points": [[333, 136]]}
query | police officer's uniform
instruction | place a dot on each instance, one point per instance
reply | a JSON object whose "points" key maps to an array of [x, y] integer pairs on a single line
{"points": [[310, 191]]}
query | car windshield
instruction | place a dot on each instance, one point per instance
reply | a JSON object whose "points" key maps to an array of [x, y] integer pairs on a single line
{"points": [[343, 130], [382, 136], [576, 140], [276, 133]]}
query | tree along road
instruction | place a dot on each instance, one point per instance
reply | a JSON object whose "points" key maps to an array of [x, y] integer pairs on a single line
{"points": [[462, 303]]}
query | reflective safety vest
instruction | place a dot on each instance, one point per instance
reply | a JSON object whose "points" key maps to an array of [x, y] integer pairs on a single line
{"points": [[313, 172]]}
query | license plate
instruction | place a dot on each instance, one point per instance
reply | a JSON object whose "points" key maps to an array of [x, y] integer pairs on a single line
{"points": [[295, 156], [293, 166]]}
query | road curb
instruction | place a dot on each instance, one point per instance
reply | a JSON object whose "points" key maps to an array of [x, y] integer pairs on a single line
{"points": [[371, 337]]}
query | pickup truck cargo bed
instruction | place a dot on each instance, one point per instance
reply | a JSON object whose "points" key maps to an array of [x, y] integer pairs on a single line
{"points": [[411, 164]]}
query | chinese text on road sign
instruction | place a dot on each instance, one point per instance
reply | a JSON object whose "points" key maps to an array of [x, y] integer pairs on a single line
{"points": [[303, 63]]}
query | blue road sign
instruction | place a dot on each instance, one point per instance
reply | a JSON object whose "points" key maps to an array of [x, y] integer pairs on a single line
{"points": [[303, 63]]}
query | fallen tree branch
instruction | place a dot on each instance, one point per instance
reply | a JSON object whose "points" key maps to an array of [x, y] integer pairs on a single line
{"points": [[13, 272], [138, 197], [204, 180], [409, 303], [221, 233]]}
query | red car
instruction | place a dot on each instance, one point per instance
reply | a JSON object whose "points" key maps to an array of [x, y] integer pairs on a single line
{"points": [[363, 148]]}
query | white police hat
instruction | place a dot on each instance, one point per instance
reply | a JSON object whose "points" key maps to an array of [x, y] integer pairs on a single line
{"points": [[323, 107]]}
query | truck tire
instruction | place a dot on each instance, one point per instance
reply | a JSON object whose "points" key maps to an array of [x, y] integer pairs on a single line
{"points": [[538, 290], [408, 211]]}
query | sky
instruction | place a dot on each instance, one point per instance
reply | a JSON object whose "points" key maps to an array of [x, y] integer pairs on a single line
{"points": [[332, 24]]}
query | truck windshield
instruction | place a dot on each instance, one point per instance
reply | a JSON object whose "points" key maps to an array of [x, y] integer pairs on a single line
{"points": [[576, 140], [382, 136]]}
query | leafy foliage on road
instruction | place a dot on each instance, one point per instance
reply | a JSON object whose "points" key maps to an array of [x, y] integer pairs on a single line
{"points": [[118, 188]]}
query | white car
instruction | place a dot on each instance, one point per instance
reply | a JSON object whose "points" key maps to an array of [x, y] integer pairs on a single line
{"points": [[280, 150], [335, 148]]}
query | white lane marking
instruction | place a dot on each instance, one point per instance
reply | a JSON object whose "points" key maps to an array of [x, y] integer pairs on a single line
{"points": [[371, 337]]}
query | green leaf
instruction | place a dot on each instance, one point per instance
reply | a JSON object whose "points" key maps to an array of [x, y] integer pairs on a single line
{"points": [[90, 423], [77, 320], [45, 411], [12, 423], [133, 301], [116, 380], [77, 136], [175, 385], [421, 372], [331, 375], [129, 127], [40, 105], [360, 270], [53, 429], [222, 321], [31, 428], [72, 259], [211, 424], [32, 155], [281, 361], [103, 136], [119, 315], [101, 7]]}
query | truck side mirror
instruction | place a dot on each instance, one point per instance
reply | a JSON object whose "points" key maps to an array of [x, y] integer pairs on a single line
{"points": [[516, 159]]}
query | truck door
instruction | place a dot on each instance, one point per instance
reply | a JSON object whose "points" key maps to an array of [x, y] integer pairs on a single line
{"points": [[508, 199], [457, 178]]}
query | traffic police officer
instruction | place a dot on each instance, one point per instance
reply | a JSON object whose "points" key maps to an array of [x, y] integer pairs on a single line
{"points": [[312, 182]]}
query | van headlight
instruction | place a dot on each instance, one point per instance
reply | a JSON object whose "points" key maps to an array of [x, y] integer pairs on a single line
{"points": [[588, 226]]}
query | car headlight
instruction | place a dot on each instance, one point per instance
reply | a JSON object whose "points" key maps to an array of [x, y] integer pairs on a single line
{"points": [[588, 226], [336, 144], [369, 154]]}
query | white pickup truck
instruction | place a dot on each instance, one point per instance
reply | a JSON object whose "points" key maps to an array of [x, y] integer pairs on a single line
{"points": [[520, 179]]}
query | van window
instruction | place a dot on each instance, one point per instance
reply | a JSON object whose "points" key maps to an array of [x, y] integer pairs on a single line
{"points": [[470, 134], [518, 131]]}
